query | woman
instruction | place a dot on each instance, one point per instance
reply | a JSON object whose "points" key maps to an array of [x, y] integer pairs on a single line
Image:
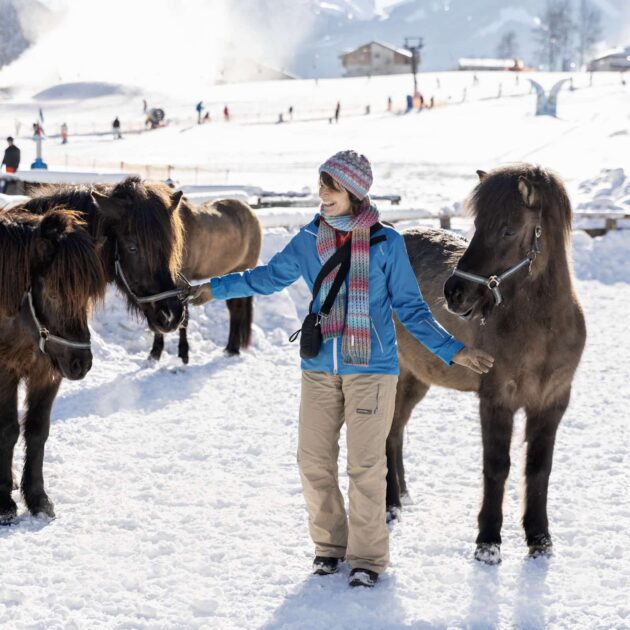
{"points": [[353, 378]]}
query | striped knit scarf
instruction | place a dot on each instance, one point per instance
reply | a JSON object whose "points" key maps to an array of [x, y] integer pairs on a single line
{"points": [[355, 324]]}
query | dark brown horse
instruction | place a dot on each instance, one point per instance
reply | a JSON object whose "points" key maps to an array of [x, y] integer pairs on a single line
{"points": [[511, 295], [50, 273], [139, 227], [221, 237]]}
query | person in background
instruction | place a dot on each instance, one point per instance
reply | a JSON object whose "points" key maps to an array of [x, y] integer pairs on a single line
{"points": [[353, 377], [226, 114], [64, 133], [116, 129], [11, 159], [337, 111]]}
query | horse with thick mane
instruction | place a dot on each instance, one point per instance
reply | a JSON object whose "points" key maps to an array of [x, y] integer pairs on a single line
{"points": [[50, 274], [510, 292], [141, 238]]}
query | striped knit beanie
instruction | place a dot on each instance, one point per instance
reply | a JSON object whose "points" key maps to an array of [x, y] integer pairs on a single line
{"points": [[350, 170]]}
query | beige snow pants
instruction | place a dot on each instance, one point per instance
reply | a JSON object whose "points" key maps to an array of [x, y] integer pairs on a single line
{"points": [[366, 403]]}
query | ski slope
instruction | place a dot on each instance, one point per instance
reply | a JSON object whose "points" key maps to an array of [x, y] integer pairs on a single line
{"points": [[176, 488]]}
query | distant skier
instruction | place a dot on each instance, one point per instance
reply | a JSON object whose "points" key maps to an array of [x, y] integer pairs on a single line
{"points": [[199, 108], [337, 111], [389, 103], [64, 133], [116, 129], [291, 112], [226, 114], [11, 159]]}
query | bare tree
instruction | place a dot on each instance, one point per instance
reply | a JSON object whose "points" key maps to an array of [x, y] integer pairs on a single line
{"points": [[555, 34], [589, 29], [507, 48]]}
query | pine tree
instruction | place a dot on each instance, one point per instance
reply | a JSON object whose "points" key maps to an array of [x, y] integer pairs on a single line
{"points": [[507, 48]]}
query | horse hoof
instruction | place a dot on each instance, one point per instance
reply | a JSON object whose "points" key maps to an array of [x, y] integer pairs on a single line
{"points": [[488, 553], [405, 498], [229, 352], [184, 359], [41, 506], [8, 513], [393, 514], [541, 547]]}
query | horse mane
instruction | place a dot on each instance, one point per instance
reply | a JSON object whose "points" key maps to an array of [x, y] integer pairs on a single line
{"points": [[76, 271], [15, 253], [76, 198], [150, 221], [498, 194]]}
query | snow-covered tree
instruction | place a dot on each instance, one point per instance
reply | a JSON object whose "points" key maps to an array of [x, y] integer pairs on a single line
{"points": [[589, 29]]}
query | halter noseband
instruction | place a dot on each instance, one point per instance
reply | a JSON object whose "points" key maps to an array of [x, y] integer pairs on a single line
{"points": [[493, 282], [45, 335], [183, 294]]}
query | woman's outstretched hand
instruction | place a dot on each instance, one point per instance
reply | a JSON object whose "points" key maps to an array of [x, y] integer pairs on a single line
{"points": [[200, 294], [476, 360]]}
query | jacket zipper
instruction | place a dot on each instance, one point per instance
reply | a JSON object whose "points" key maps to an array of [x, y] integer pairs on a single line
{"points": [[334, 355], [378, 337]]}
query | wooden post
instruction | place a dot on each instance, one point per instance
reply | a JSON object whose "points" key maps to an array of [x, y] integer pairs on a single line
{"points": [[611, 224]]}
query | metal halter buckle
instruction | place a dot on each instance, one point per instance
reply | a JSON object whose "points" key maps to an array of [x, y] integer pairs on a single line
{"points": [[493, 282]]}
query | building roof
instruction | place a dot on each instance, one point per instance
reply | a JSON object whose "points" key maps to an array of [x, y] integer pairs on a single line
{"points": [[483, 62], [614, 52], [401, 51]]}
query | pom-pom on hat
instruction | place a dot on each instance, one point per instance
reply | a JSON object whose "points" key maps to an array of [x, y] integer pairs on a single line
{"points": [[350, 170]]}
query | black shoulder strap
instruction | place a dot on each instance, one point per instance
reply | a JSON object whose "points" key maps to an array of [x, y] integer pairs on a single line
{"points": [[342, 258]]}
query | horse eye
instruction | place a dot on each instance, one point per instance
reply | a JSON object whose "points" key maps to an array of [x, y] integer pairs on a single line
{"points": [[508, 232], [132, 249]]}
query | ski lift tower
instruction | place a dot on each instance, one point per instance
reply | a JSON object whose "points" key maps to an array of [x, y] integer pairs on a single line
{"points": [[414, 46]]}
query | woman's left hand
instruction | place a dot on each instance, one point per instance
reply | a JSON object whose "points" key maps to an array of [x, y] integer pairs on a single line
{"points": [[476, 360], [200, 294]]}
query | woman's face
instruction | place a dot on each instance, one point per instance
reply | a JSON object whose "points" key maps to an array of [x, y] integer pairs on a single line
{"points": [[336, 201]]}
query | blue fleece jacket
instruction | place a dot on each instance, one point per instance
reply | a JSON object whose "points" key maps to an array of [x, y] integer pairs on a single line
{"points": [[392, 284]]}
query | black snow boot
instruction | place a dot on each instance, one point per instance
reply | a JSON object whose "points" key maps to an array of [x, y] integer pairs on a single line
{"points": [[363, 577], [325, 566]]}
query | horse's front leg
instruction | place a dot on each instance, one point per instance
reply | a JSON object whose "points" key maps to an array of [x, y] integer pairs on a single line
{"points": [[183, 348], [496, 432], [158, 347], [540, 434], [9, 433], [39, 400]]}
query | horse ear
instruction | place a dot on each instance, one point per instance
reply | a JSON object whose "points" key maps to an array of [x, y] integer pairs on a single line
{"points": [[109, 207], [528, 191], [482, 175], [54, 226], [176, 199]]}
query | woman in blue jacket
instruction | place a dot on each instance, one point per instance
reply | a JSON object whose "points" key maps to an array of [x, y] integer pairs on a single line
{"points": [[353, 377]]}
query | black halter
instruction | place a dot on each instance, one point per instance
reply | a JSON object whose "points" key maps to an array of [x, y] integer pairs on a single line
{"points": [[46, 336], [493, 282], [183, 293]]}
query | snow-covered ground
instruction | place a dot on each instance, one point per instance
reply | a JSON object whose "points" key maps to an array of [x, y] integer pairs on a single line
{"points": [[177, 492]]}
